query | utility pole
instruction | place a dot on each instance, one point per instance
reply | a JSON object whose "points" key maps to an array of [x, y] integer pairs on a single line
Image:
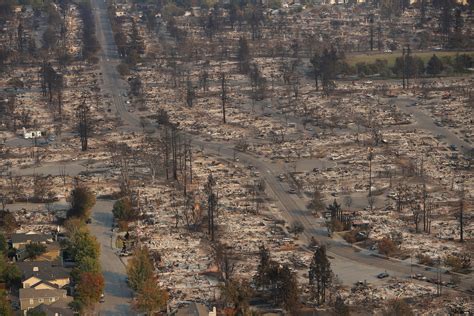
{"points": [[407, 57], [370, 157], [461, 212], [371, 21], [82, 114], [223, 96], [403, 67]]}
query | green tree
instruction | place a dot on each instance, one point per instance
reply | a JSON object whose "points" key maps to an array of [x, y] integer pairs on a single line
{"points": [[3, 244], [150, 298], [82, 244], [85, 264], [5, 307], [124, 211], [9, 272], [34, 250], [434, 66], [82, 201], [140, 268], [320, 274]]}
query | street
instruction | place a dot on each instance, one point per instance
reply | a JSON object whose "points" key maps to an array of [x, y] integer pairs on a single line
{"points": [[117, 293]]}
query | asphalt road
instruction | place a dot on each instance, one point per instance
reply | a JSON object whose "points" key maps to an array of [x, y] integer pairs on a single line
{"points": [[117, 293], [425, 122], [350, 263]]}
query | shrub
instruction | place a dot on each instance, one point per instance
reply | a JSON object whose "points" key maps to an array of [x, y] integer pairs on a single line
{"points": [[425, 260], [386, 246], [458, 263], [350, 237]]}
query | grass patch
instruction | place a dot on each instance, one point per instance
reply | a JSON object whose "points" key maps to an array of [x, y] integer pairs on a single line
{"points": [[390, 57]]}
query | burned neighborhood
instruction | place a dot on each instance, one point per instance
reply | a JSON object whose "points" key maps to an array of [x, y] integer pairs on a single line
{"points": [[228, 157]]}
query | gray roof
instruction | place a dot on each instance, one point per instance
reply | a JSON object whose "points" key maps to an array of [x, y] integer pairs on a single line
{"points": [[33, 293], [25, 238], [47, 270], [59, 307]]}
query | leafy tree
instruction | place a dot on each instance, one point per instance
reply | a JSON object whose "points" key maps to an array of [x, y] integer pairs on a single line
{"points": [[82, 244], [8, 222], [90, 288], [463, 61], [3, 244], [82, 201], [434, 66], [73, 226], [34, 250], [151, 298], [124, 211], [9, 272], [5, 307], [140, 268], [85, 264], [320, 274]]}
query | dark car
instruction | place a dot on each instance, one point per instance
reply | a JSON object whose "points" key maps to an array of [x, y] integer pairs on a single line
{"points": [[382, 275]]}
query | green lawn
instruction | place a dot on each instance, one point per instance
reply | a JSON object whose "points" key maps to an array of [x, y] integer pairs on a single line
{"points": [[390, 57]]}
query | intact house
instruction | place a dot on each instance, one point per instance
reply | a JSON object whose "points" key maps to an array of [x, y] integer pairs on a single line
{"points": [[20, 240], [58, 308], [30, 298], [43, 275], [43, 282]]}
